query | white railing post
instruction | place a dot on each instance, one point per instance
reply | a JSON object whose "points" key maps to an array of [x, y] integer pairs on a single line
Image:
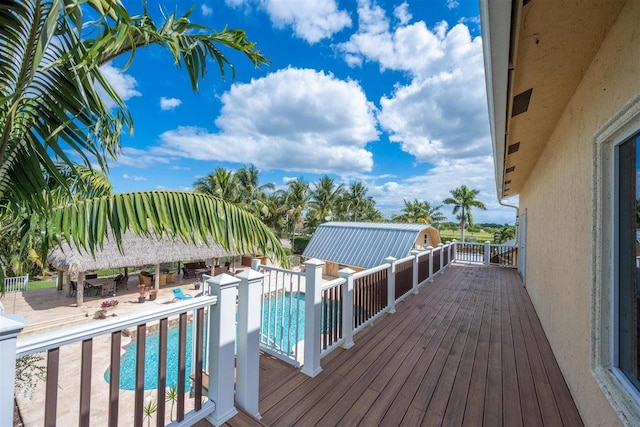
{"points": [[9, 330], [222, 336], [249, 328], [347, 306], [391, 288], [441, 246], [255, 264], [487, 252], [313, 306], [454, 255], [430, 249], [414, 278]]}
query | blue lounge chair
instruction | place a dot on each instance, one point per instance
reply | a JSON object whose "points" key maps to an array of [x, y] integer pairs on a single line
{"points": [[179, 295]]}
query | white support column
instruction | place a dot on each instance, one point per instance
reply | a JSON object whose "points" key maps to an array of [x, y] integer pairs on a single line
{"points": [[450, 249], [454, 255], [222, 336], [255, 264], [249, 328], [441, 246], [487, 252], [9, 330], [347, 306], [430, 249], [391, 282], [414, 279], [313, 306]]}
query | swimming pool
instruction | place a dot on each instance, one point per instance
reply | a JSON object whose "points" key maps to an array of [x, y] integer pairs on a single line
{"points": [[128, 362], [282, 323]]}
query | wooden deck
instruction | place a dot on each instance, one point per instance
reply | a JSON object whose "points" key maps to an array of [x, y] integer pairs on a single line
{"points": [[468, 350]]}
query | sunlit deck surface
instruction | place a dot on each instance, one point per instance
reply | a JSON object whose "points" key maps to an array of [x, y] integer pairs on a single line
{"points": [[467, 350]]}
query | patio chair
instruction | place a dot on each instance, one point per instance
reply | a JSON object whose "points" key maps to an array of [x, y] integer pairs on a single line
{"points": [[122, 282], [144, 280], [179, 295], [108, 289]]}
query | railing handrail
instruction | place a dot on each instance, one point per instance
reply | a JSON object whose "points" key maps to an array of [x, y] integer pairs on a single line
{"points": [[369, 271], [280, 270], [333, 283], [69, 335], [405, 259]]}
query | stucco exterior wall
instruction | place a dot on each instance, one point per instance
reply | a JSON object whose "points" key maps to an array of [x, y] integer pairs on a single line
{"points": [[558, 201]]}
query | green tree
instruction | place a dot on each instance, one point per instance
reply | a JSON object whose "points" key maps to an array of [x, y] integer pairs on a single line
{"points": [[296, 200], [222, 183], [50, 106], [421, 212], [252, 195], [463, 199], [504, 234], [356, 201], [325, 201]]}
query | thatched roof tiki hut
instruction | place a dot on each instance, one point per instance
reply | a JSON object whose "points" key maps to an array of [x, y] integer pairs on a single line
{"points": [[136, 250]]}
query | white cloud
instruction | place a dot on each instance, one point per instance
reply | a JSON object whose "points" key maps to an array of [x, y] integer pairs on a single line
{"points": [[123, 84], [442, 111], [133, 177], [169, 103], [436, 182], [452, 4], [293, 119], [310, 20], [206, 10], [402, 13], [142, 159]]}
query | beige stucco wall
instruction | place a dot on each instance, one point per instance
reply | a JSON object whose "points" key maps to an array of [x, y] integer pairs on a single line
{"points": [[558, 202]]}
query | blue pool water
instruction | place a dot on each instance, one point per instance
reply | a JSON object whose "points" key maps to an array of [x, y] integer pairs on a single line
{"points": [[128, 362], [290, 331], [283, 321]]}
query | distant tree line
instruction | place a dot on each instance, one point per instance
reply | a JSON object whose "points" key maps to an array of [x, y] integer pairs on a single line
{"points": [[302, 206]]}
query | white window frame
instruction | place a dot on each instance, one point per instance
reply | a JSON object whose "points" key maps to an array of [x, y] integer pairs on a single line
{"points": [[621, 393]]}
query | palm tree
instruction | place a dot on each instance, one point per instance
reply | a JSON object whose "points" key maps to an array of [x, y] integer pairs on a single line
{"points": [[356, 200], [50, 106], [325, 201], [297, 200], [420, 212], [252, 194], [463, 199], [222, 183], [504, 234]]}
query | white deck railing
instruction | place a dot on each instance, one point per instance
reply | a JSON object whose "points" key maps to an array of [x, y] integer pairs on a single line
{"points": [[15, 284], [281, 314], [217, 308]]}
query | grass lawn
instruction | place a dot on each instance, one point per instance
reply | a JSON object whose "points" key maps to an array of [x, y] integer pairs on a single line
{"points": [[481, 236], [41, 284]]}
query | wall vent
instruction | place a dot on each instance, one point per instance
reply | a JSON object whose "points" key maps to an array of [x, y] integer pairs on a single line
{"points": [[507, 182], [521, 102], [511, 169], [513, 148]]}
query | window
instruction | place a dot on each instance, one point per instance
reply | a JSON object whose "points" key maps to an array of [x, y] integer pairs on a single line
{"points": [[627, 285], [615, 354]]}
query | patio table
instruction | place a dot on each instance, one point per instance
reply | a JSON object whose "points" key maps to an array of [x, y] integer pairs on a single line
{"points": [[98, 283]]}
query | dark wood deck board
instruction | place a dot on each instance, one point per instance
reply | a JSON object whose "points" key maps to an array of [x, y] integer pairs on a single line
{"points": [[467, 350]]}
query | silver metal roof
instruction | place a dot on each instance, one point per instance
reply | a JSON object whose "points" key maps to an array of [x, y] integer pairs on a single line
{"points": [[362, 244]]}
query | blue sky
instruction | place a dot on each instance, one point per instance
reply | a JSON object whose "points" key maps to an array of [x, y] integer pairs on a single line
{"points": [[391, 93]]}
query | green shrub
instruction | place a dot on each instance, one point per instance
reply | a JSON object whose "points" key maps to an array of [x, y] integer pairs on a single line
{"points": [[300, 243]]}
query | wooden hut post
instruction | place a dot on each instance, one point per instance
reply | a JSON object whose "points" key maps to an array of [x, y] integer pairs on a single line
{"points": [[157, 278], [67, 278], [60, 282], [80, 289]]}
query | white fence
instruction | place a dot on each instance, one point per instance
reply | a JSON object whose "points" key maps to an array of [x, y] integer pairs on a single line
{"points": [[15, 284]]}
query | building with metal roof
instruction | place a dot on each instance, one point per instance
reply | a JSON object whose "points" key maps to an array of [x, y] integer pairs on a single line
{"points": [[362, 245]]}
